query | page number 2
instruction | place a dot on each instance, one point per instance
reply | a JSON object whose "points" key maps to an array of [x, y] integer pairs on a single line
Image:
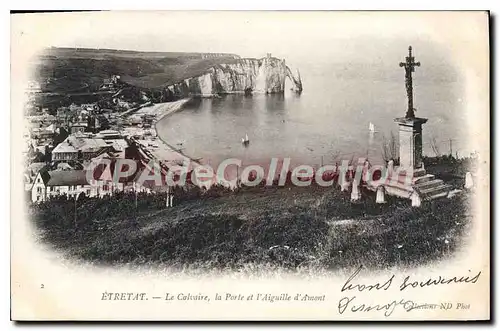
{"points": [[42, 286]]}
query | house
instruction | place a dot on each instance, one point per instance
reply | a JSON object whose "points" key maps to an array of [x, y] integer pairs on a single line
{"points": [[52, 183], [64, 166], [65, 152], [134, 120], [74, 108], [106, 85], [71, 183], [109, 84], [93, 124], [51, 128], [115, 140], [109, 134], [80, 146], [44, 119], [89, 106], [41, 134], [94, 147], [79, 127], [62, 112]]}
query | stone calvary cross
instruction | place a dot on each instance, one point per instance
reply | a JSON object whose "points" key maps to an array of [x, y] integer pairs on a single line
{"points": [[409, 66], [410, 127]]}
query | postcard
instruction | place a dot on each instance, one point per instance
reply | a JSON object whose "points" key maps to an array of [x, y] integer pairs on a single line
{"points": [[250, 166]]}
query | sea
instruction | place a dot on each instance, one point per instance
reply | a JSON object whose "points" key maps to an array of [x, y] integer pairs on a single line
{"points": [[328, 122]]}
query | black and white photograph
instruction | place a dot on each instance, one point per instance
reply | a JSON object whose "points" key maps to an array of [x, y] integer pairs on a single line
{"points": [[210, 165]]}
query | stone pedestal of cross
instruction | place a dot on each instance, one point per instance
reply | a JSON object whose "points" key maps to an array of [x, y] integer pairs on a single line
{"points": [[410, 142], [410, 127]]}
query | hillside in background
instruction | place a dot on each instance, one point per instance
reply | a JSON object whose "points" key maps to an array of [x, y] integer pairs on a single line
{"points": [[61, 70]]}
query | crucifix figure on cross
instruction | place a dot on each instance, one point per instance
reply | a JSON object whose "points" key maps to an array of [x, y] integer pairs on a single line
{"points": [[409, 66]]}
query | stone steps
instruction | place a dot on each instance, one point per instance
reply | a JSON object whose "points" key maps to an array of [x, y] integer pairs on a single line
{"points": [[429, 190], [435, 191], [399, 191], [429, 184], [425, 185], [453, 192], [423, 179], [437, 196], [419, 172]]}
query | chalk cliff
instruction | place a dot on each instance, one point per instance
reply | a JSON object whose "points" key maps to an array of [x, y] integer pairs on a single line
{"points": [[266, 75]]}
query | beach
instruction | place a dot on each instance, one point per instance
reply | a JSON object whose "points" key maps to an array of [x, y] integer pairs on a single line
{"points": [[161, 110], [159, 148]]}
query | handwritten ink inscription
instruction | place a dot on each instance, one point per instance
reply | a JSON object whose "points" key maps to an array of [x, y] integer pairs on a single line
{"points": [[352, 303]]}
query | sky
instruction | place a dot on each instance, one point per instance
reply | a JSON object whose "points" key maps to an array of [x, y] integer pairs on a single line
{"points": [[297, 36]]}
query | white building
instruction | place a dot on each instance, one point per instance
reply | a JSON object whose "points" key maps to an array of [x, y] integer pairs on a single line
{"points": [[64, 152], [71, 183], [80, 146], [74, 182], [52, 183]]}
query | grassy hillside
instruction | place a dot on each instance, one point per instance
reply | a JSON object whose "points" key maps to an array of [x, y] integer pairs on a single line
{"points": [[314, 229], [68, 69]]}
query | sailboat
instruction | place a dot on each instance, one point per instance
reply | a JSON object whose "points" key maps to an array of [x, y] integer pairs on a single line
{"points": [[245, 141], [371, 127]]}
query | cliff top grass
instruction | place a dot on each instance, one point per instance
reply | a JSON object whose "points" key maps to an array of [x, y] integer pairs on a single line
{"points": [[66, 69]]}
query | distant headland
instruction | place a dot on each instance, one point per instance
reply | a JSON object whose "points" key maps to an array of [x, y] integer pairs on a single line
{"points": [[159, 76]]}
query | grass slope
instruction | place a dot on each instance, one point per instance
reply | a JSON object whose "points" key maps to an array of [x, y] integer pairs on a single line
{"points": [[313, 229]]}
